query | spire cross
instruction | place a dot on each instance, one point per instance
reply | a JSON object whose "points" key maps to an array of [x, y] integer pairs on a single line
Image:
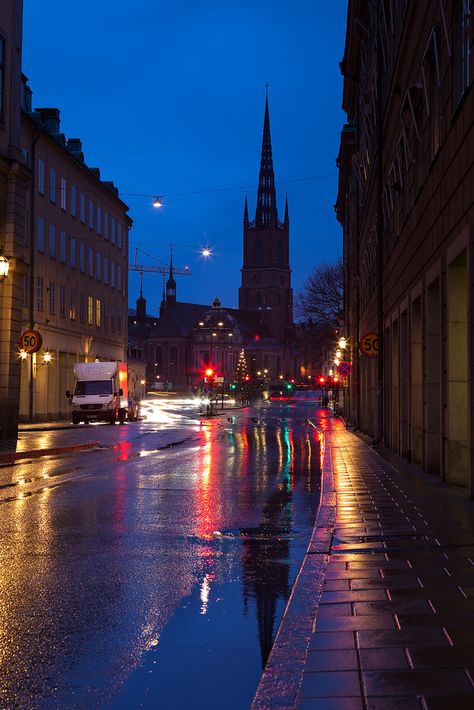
{"points": [[266, 88]]}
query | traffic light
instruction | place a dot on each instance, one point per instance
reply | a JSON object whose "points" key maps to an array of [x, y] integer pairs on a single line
{"points": [[209, 372], [209, 375], [335, 379], [233, 386], [289, 386], [247, 378], [322, 380]]}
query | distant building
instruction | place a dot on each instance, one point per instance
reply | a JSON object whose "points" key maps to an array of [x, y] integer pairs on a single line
{"points": [[405, 201], [76, 248], [187, 337]]}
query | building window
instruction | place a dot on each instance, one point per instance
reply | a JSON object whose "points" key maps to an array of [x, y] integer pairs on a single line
{"points": [[82, 307], [91, 214], [82, 257], [41, 176], [106, 225], [119, 235], [98, 311], [40, 293], [462, 46], [112, 274], [99, 220], [2, 74], [119, 323], [91, 262], [97, 266], [90, 310], [112, 230], [62, 301], [52, 241], [106, 270], [105, 318], [72, 253], [63, 193], [72, 304], [119, 278], [82, 207], [159, 360], [52, 298], [173, 366], [52, 185], [40, 234], [62, 246], [73, 200]]}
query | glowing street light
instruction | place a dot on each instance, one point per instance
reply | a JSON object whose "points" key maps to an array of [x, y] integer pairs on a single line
{"points": [[47, 357], [206, 251], [342, 343], [157, 201], [4, 265]]}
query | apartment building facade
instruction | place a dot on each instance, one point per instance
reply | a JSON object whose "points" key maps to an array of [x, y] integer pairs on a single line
{"points": [[75, 290], [405, 201]]}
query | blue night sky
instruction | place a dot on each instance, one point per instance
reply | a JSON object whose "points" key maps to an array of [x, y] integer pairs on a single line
{"points": [[168, 99]]}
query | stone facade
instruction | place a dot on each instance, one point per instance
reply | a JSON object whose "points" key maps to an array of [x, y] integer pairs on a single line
{"points": [[406, 195]]}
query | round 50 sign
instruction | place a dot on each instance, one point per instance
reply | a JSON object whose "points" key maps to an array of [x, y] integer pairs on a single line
{"points": [[31, 341], [369, 345]]}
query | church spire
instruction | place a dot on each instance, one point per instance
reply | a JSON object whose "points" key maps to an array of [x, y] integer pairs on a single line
{"points": [[266, 195], [246, 210], [171, 283], [287, 219]]}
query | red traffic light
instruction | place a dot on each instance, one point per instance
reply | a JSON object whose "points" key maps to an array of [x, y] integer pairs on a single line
{"points": [[335, 379], [322, 380], [247, 378], [209, 372]]}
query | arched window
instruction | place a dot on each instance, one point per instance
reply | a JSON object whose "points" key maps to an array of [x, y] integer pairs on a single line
{"points": [[174, 364], [159, 360], [258, 253]]}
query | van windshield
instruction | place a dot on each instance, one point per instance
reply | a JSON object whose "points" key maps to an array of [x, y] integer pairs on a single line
{"points": [[85, 387]]}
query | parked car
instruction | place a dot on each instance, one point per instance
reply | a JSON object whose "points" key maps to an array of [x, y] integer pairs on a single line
{"points": [[132, 410]]}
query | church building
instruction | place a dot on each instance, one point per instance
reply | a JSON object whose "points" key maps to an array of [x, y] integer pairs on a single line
{"points": [[187, 338]]}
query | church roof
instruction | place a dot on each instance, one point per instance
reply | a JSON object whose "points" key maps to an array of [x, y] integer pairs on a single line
{"points": [[179, 320]]}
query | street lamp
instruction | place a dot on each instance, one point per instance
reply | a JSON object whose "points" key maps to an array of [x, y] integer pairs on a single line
{"points": [[342, 343], [47, 357], [157, 201], [4, 265]]}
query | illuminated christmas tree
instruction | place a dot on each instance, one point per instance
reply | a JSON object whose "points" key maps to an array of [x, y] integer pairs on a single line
{"points": [[241, 372]]}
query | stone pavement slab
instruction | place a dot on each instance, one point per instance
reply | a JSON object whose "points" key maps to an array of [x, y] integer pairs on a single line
{"points": [[394, 619]]}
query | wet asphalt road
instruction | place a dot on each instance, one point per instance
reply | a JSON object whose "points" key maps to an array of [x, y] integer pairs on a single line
{"points": [[155, 577]]}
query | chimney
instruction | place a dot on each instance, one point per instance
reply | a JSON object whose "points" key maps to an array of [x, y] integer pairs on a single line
{"points": [[50, 119], [74, 146]]}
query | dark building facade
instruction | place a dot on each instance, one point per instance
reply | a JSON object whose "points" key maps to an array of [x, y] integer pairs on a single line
{"points": [[405, 201], [186, 337]]}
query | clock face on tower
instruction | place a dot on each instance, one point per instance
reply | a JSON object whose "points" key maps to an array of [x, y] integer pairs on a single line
{"points": [[257, 278]]}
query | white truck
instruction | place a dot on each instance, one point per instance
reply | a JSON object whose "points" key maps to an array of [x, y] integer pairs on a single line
{"points": [[100, 392]]}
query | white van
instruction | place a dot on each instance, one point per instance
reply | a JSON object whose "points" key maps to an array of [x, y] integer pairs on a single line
{"points": [[100, 392]]}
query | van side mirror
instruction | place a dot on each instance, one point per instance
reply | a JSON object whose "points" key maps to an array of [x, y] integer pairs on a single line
{"points": [[68, 394]]}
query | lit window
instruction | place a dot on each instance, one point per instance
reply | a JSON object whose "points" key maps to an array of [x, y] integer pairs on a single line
{"points": [[90, 310], [72, 304], [97, 312]]}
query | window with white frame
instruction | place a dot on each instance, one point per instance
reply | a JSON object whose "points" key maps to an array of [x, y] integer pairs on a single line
{"points": [[41, 176], [63, 193], [52, 185], [40, 293]]}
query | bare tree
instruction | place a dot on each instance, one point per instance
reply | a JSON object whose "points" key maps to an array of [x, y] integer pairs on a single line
{"points": [[320, 298]]}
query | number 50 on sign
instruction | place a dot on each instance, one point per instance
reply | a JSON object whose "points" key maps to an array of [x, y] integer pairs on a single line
{"points": [[369, 345], [31, 341]]}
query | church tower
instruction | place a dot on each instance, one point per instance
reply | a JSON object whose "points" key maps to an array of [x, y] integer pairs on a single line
{"points": [[266, 274]]}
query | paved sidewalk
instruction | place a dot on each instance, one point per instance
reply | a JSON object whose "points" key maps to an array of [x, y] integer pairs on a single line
{"points": [[393, 594]]}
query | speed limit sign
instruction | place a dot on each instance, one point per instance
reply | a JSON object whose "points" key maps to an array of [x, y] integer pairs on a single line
{"points": [[369, 345], [31, 341]]}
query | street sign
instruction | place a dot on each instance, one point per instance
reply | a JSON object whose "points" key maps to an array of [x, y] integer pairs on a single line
{"points": [[344, 368], [218, 380], [345, 381], [31, 341], [369, 345]]}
